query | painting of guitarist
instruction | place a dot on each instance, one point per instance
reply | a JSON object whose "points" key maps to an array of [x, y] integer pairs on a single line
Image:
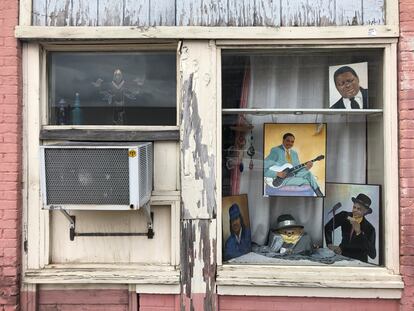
{"points": [[284, 173]]}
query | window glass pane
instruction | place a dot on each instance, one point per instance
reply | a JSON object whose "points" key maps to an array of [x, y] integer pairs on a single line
{"points": [[292, 222], [112, 88]]}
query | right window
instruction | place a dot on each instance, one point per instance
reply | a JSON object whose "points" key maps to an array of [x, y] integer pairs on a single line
{"points": [[302, 156]]}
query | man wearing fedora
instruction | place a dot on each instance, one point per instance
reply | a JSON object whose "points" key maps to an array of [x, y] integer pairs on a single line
{"points": [[239, 241], [358, 234]]}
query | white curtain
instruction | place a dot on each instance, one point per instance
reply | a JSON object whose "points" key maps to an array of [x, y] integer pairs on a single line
{"points": [[298, 82]]}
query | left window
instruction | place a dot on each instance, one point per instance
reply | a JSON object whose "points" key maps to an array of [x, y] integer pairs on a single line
{"points": [[111, 88]]}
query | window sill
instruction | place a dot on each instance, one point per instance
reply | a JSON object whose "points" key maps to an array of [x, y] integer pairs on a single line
{"points": [[152, 276], [110, 133], [340, 282]]}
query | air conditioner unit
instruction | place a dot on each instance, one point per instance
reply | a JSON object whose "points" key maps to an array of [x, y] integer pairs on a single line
{"points": [[85, 176]]}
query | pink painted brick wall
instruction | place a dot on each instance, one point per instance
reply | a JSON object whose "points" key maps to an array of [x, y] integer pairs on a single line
{"points": [[406, 156], [10, 156], [84, 300], [149, 302], [252, 303]]}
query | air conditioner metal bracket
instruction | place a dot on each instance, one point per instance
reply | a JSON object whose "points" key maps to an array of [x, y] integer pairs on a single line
{"points": [[72, 227]]}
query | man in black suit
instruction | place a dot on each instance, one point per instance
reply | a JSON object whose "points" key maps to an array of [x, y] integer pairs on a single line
{"points": [[347, 84], [358, 234]]}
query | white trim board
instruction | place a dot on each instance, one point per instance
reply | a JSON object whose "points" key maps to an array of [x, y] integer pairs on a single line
{"points": [[198, 32]]}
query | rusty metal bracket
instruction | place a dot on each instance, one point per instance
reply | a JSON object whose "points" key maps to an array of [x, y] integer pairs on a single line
{"points": [[72, 228]]}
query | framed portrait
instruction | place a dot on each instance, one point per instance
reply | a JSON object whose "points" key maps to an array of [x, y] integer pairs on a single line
{"points": [[351, 220], [236, 226], [348, 86], [294, 159]]}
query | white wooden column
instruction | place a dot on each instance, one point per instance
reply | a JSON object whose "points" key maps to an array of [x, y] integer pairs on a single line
{"points": [[198, 174]]}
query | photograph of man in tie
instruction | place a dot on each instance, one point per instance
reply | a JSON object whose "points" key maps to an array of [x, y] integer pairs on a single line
{"points": [[348, 85], [279, 156]]}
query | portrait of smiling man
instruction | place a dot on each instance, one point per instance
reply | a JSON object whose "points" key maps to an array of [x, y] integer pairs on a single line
{"points": [[349, 82]]}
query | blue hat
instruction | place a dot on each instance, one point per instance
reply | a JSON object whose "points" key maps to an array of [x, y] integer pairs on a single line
{"points": [[234, 212]]}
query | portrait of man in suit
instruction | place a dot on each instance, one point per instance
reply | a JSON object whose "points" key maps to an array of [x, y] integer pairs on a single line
{"points": [[348, 84]]}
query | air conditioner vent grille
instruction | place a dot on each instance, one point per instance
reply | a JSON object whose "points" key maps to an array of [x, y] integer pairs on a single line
{"points": [[87, 176]]}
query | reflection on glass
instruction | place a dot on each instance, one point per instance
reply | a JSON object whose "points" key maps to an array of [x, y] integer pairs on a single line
{"points": [[285, 229], [112, 88]]}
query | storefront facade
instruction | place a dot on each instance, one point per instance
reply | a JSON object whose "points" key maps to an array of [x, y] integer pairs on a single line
{"points": [[203, 82]]}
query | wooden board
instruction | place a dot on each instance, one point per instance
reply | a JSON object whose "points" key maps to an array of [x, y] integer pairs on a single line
{"points": [[110, 13], [165, 166], [214, 13], [268, 12], [136, 13], [208, 12], [349, 13], [198, 264], [374, 12], [138, 249], [108, 135], [84, 13], [241, 12], [39, 12], [198, 129], [188, 12], [58, 12], [294, 13], [162, 13], [323, 14]]}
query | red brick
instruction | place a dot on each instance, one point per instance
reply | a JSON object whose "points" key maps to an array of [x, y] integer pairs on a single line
{"points": [[10, 233]]}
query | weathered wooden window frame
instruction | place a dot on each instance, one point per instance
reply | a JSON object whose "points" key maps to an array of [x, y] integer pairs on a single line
{"points": [[240, 280], [36, 267], [265, 280]]}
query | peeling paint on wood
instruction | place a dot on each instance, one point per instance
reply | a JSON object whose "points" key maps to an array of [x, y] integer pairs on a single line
{"points": [[136, 12], [325, 16], [268, 12], [294, 12], [39, 12], [198, 119], [162, 13], [198, 264], [188, 12], [241, 12], [84, 13], [214, 13], [373, 12], [58, 12], [349, 13], [110, 13], [208, 12]]}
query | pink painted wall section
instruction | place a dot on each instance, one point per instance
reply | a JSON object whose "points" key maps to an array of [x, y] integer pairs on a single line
{"points": [[148, 302], [10, 156], [84, 300], [406, 139], [252, 303]]}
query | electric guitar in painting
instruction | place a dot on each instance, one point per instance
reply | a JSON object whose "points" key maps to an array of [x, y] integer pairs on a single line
{"points": [[289, 169]]}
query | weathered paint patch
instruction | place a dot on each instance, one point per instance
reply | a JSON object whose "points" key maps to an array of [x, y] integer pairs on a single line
{"points": [[59, 12], [187, 263], [198, 265], [204, 164], [110, 13], [373, 12], [209, 12], [84, 13], [349, 13], [267, 12], [162, 13]]}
